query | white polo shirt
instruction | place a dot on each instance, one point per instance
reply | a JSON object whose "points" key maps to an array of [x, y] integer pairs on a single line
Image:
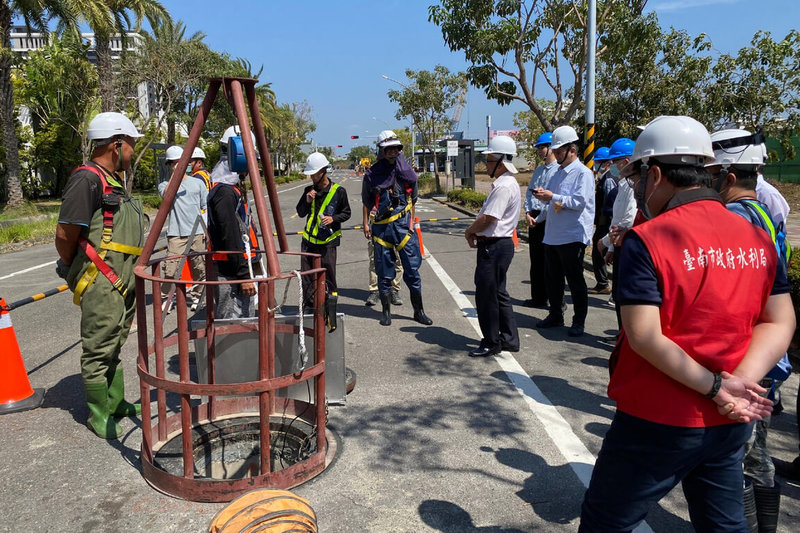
{"points": [[503, 204]]}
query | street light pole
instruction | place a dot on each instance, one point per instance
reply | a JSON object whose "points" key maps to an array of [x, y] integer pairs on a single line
{"points": [[413, 139]]}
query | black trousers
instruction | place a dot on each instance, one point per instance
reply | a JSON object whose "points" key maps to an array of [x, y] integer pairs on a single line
{"points": [[566, 260], [598, 259], [536, 252], [495, 314], [328, 255]]}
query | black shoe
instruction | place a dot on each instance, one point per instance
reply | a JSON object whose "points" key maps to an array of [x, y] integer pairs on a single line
{"points": [[394, 298], [484, 352], [419, 312], [550, 321], [386, 311], [600, 289], [509, 348], [372, 299], [575, 331], [534, 304]]}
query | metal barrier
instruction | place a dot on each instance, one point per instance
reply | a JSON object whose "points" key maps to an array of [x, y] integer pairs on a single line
{"points": [[220, 440]]}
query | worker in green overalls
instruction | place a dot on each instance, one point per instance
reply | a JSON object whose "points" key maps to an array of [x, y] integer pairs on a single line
{"points": [[99, 238]]}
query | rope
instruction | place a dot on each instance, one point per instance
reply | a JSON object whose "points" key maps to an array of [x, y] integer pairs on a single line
{"points": [[301, 341]]}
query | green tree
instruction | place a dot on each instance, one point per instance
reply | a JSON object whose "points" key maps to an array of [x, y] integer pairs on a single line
{"points": [[107, 18], [648, 72], [59, 85], [529, 130], [512, 44], [359, 152], [293, 125], [426, 99], [761, 87], [168, 62], [35, 13]]}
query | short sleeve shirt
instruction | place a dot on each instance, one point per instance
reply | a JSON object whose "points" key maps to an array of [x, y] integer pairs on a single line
{"points": [[82, 197], [503, 204]]}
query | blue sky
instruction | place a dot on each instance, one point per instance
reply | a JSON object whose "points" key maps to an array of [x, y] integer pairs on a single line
{"points": [[332, 54]]}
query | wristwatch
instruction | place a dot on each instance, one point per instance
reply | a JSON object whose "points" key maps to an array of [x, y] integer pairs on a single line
{"points": [[716, 386]]}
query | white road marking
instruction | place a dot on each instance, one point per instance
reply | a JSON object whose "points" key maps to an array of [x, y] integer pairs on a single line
{"points": [[27, 270], [293, 188], [579, 457]]}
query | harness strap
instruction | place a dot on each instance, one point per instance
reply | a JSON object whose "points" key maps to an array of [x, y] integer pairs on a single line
{"points": [[310, 233], [390, 245], [397, 215], [98, 264], [778, 236]]}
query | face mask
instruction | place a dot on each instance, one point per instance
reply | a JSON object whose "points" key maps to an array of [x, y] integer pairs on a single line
{"points": [[641, 202], [614, 171]]}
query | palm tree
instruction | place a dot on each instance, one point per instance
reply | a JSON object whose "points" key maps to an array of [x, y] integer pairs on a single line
{"points": [[169, 38], [36, 13], [109, 17]]}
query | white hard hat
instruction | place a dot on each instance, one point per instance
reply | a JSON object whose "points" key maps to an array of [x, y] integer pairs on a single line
{"points": [[505, 146], [563, 135], [388, 138], [198, 153], [315, 163], [174, 153], [674, 140], [110, 124], [501, 144], [737, 147], [235, 131]]}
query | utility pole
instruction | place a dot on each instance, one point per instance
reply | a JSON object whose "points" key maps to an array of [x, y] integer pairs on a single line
{"points": [[591, 29]]}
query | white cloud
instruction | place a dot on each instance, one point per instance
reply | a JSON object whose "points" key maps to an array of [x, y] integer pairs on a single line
{"points": [[678, 5]]}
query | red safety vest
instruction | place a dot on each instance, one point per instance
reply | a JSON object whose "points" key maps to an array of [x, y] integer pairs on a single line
{"points": [[715, 271]]}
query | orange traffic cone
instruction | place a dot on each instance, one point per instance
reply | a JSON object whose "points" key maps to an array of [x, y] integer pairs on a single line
{"points": [[515, 239], [186, 273], [16, 393], [419, 236]]}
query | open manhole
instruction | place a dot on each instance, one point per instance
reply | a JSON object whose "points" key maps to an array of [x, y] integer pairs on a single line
{"points": [[230, 449]]}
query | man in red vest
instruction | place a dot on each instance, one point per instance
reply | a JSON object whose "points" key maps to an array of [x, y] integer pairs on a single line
{"points": [[693, 344]]}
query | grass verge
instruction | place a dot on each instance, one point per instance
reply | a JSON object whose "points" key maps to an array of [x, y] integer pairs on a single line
{"points": [[26, 231]]}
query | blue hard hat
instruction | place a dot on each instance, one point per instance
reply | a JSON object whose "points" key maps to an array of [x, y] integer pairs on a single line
{"points": [[544, 138], [602, 154], [622, 147]]}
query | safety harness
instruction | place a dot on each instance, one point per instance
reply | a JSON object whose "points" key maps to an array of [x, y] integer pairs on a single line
{"points": [[778, 235], [390, 219], [205, 176], [243, 212], [111, 201], [311, 231]]}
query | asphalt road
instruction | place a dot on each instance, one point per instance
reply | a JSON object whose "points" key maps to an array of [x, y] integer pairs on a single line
{"points": [[432, 440]]}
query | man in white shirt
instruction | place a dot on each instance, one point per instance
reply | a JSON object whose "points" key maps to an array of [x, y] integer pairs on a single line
{"points": [[769, 195], [491, 235], [570, 221], [623, 213], [540, 178]]}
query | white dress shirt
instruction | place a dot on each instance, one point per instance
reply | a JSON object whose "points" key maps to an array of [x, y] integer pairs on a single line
{"points": [[624, 210], [503, 204], [573, 191]]}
